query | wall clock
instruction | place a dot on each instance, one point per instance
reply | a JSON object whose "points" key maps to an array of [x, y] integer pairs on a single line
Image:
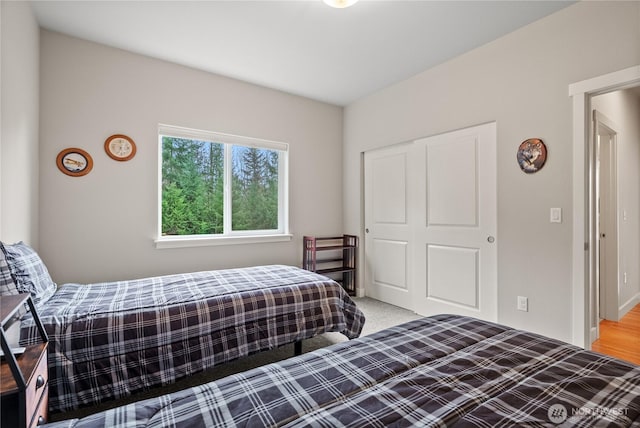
{"points": [[532, 154], [120, 147], [74, 162]]}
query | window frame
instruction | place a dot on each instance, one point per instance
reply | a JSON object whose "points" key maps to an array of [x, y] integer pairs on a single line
{"points": [[228, 236]]}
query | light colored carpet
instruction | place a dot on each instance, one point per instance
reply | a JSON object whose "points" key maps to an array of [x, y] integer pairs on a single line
{"points": [[378, 315]]}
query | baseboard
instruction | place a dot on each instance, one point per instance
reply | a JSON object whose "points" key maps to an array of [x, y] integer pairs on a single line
{"points": [[630, 304], [592, 336]]}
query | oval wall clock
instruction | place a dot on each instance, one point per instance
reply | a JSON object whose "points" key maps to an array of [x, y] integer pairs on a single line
{"points": [[532, 154], [120, 147], [74, 162]]}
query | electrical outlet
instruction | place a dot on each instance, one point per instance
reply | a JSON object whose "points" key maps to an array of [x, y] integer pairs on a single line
{"points": [[523, 304]]}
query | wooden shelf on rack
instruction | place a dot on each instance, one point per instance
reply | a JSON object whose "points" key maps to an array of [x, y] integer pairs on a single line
{"points": [[338, 260]]}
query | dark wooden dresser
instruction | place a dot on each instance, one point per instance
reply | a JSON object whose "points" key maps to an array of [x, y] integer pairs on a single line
{"points": [[24, 378]]}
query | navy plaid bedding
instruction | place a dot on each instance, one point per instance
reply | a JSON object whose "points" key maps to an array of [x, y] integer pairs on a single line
{"points": [[440, 371], [110, 340]]}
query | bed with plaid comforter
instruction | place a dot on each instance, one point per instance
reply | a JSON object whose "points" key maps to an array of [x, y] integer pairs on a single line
{"points": [[110, 340], [439, 371]]}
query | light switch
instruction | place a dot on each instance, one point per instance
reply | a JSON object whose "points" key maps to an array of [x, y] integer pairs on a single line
{"points": [[556, 215], [523, 304]]}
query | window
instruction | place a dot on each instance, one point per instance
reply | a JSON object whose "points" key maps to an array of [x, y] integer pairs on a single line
{"points": [[217, 188]]}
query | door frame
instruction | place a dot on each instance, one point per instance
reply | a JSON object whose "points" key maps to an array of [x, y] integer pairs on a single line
{"points": [[606, 292], [583, 244]]}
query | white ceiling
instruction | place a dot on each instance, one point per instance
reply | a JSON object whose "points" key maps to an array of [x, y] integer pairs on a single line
{"points": [[299, 46]]}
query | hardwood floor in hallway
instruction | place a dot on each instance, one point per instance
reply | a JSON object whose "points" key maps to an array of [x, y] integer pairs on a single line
{"points": [[621, 339]]}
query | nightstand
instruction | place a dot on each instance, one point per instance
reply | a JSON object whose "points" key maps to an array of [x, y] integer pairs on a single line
{"points": [[24, 386]]}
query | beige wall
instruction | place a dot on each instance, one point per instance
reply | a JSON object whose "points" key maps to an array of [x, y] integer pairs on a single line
{"points": [[19, 78], [102, 226], [623, 109], [521, 81]]}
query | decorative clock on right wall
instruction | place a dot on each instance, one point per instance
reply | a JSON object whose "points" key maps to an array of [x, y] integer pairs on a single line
{"points": [[120, 147], [532, 154]]}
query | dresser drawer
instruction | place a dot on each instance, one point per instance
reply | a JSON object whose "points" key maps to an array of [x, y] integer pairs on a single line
{"points": [[37, 390], [39, 416]]}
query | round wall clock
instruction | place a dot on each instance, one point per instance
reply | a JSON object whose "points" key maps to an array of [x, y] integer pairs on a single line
{"points": [[120, 147], [74, 162], [532, 154]]}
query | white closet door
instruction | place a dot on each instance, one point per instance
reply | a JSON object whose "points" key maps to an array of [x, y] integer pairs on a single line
{"points": [[430, 219], [455, 236], [387, 222]]}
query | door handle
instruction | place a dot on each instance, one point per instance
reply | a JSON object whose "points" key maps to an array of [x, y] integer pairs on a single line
{"points": [[366, 230], [491, 239]]}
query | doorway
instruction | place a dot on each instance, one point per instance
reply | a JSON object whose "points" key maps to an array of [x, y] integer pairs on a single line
{"points": [[606, 196], [585, 231]]}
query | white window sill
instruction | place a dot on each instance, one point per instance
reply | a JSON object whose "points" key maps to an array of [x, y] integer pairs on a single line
{"points": [[194, 241]]}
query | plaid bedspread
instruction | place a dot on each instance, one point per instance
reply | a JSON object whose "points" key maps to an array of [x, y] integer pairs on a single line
{"points": [[440, 371], [109, 340]]}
